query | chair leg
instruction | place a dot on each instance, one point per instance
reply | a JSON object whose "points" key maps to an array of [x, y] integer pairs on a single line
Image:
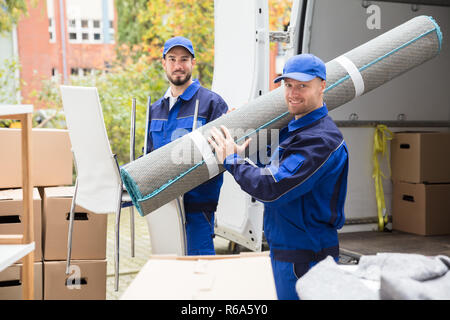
{"points": [[116, 252], [69, 238], [132, 230], [69, 241], [182, 219]]}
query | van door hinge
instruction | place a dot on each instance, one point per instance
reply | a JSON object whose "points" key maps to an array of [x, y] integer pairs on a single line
{"points": [[280, 36]]}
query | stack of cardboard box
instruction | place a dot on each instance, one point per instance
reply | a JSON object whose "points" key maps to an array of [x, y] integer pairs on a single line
{"points": [[52, 170], [87, 278], [420, 163], [11, 212]]}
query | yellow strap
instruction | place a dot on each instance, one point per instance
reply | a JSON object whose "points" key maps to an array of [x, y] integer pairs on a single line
{"points": [[381, 136]]}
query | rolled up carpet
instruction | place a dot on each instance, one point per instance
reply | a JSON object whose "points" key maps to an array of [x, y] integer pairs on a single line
{"points": [[172, 170]]}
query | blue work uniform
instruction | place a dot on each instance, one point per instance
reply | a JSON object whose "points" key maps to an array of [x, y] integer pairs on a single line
{"points": [[303, 195], [167, 125]]}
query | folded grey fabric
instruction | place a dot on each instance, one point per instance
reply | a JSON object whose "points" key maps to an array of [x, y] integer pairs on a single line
{"points": [[408, 276], [401, 276], [410, 289], [326, 281], [403, 265]]}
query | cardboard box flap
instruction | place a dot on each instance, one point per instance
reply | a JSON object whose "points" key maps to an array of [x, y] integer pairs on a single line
{"points": [[59, 192], [17, 194]]}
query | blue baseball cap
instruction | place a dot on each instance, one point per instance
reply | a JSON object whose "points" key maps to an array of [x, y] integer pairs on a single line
{"points": [[178, 42], [303, 67]]}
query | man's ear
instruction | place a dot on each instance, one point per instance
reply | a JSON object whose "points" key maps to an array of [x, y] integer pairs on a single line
{"points": [[193, 62], [324, 85]]}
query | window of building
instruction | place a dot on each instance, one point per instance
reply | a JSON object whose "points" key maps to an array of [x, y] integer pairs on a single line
{"points": [[111, 31], [55, 74], [84, 30], [87, 71], [80, 72], [51, 21], [72, 29], [51, 30]]}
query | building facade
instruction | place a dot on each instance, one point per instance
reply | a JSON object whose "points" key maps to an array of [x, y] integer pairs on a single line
{"points": [[64, 38]]}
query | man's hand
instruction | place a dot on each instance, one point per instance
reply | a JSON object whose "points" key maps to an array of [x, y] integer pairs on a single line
{"points": [[224, 144]]}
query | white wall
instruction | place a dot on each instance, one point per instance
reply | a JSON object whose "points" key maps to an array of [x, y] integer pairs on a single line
{"points": [[87, 9]]}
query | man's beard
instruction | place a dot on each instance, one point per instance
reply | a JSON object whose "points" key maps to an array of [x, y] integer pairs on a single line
{"points": [[179, 81]]}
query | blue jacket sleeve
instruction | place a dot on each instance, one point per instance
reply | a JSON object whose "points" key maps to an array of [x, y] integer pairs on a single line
{"points": [[298, 168], [218, 108]]}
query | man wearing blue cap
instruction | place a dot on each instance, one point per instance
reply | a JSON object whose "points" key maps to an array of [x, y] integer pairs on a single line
{"points": [[171, 117], [304, 193]]}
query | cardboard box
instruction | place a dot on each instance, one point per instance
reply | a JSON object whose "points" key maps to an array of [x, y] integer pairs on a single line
{"points": [[51, 158], [236, 277], [11, 282], [87, 280], [11, 212], [89, 229], [422, 209], [421, 157]]}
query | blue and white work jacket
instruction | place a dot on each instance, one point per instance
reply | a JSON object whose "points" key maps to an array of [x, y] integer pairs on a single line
{"points": [[304, 193], [166, 126]]}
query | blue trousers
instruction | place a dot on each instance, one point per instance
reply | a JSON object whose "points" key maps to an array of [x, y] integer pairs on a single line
{"points": [[200, 233], [286, 275]]}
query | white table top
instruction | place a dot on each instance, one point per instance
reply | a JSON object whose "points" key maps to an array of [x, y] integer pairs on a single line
{"points": [[11, 253], [13, 109]]}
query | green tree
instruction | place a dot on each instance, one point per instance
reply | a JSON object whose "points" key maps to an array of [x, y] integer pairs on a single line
{"points": [[279, 14], [128, 31], [188, 18], [9, 86], [10, 12]]}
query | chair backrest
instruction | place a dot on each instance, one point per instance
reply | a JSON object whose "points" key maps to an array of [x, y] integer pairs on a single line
{"points": [[98, 177]]}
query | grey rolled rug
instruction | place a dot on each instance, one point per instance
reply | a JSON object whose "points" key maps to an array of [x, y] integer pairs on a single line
{"points": [[172, 170]]}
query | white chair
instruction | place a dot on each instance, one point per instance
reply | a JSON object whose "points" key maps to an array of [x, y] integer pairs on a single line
{"points": [[98, 186]]}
